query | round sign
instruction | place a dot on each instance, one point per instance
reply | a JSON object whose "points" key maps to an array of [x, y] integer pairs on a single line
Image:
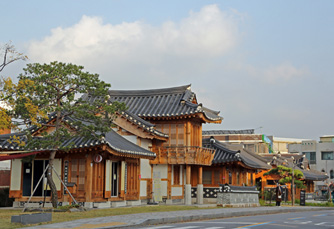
{"points": [[97, 158]]}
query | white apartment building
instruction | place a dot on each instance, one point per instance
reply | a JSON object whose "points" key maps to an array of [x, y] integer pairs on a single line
{"points": [[320, 155]]}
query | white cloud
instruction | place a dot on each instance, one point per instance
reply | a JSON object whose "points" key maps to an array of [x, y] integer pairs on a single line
{"points": [[280, 73], [138, 49], [284, 72]]}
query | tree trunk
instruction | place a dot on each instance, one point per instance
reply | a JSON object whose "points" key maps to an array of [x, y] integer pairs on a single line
{"points": [[54, 195]]}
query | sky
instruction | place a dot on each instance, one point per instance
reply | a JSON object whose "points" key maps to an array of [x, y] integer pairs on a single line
{"points": [[265, 65]]}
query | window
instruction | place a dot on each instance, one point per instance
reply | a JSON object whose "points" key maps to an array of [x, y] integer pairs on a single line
{"points": [[331, 174], [238, 178], [217, 177], [176, 176], [229, 177], [207, 177], [310, 157], [211, 176], [327, 155], [176, 134]]}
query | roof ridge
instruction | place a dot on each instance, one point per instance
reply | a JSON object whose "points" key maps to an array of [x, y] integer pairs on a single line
{"points": [[146, 92]]}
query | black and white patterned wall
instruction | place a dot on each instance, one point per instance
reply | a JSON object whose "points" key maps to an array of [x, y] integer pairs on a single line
{"points": [[207, 192]]}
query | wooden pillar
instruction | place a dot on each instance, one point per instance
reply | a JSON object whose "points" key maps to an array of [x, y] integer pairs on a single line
{"points": [[200, 135], [188, 174], [188, 134], [200, 175], [89, 178]]}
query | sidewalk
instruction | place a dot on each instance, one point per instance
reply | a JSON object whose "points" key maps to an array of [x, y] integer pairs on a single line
{"points": [[143, 219]]}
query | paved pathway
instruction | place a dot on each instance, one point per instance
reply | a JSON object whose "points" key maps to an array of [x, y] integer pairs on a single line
{"points": [[142, 219]]}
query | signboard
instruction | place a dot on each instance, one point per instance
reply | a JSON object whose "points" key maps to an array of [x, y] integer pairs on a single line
{"points": [[302, 197], [65, 175], [266, 140]]}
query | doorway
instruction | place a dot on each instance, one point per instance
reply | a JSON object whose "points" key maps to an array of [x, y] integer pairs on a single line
{"points": [[32, 172]]}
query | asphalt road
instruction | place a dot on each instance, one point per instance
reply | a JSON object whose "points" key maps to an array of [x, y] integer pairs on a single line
{"points": [[305, 220]]}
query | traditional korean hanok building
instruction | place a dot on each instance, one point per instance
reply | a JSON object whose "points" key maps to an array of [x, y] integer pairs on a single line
{"points": [[98, 173], [297, 162], [180, 157], [232, 165]]}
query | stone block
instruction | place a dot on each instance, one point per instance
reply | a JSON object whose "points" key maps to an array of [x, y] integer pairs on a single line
{"points": [[133, 203], [102, 204], [32, 218], [116, 204]]}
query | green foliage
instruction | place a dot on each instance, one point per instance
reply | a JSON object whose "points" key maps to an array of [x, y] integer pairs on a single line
{"points": [[286, 175], [56, 88]]}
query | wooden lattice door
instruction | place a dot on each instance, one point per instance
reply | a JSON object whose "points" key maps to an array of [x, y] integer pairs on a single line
{"points": [[132, 192], [78, 177], [98, 180]]}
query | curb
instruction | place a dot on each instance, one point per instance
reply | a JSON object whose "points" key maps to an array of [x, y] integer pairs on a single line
{"points": [[199, 217]]}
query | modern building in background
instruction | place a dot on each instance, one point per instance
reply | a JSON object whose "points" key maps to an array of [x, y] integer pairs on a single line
{"points": [[320, 155], [256, 143]]}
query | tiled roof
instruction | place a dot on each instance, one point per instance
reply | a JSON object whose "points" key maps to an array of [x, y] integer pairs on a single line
{"points": [[145, 125], [224, 132], [166, 102], [224, 155], [299, 162], [112, 139]]}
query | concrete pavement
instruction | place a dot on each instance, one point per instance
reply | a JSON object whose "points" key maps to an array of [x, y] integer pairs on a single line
{"points": [[143, 219]]}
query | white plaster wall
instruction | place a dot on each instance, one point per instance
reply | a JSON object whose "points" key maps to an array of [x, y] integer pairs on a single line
{"points": [[177, 191], [146, 143], [143, 188], [145, 168], [164, 188], [15, 179], [131, 138], [163, 169], [57, 166], [5, 165]]}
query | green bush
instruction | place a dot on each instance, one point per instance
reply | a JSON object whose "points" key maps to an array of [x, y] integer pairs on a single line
{"points": [[5, 201]]}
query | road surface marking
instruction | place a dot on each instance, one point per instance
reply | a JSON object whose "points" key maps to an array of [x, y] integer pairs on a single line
{"points": [[161, 227], [320, 223], [306, 222], [282, 225], [188, 227], [255, 225], [321, 215], [297, 218], [224, 222]]}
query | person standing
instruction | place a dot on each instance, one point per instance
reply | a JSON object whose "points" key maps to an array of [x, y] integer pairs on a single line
{"points": [[278, 195]]}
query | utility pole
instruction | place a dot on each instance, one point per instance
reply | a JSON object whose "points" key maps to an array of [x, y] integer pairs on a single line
{"points": [[293, 188], [293, 182]]}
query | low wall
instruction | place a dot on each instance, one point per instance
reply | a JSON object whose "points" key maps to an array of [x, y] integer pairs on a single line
{"points": [[238, 199]]}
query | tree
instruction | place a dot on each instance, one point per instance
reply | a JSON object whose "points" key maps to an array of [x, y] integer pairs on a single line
{"points": [[285, 174], [7, 87], [10, 55], [288, 175], [55, 88]]}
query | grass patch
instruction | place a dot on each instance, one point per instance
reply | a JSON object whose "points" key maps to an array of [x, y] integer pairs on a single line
{"points": [[57, 217]]}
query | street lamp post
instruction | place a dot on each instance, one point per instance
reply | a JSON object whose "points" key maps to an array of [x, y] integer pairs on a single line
{"points": [[293, 183]]}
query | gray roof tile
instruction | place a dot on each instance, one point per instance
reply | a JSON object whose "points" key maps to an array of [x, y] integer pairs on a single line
{"points": [[166, 102]]}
